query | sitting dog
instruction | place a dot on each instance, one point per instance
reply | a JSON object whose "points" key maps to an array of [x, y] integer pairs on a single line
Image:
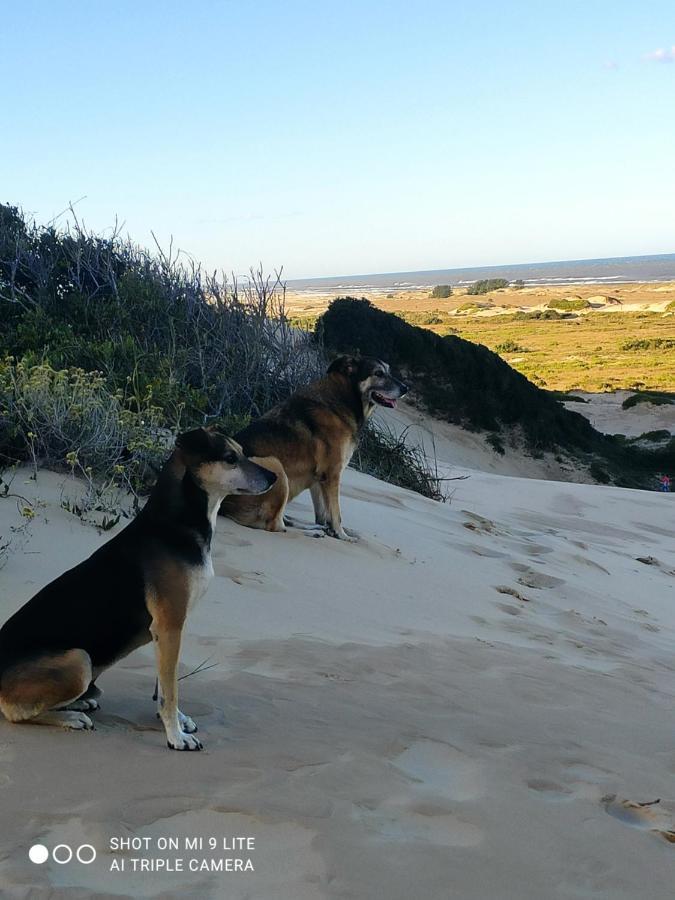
{"points": [[309, 439], [136, 588]]}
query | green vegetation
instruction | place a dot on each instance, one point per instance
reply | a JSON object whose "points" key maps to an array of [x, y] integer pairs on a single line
{"points": [[441, 291], [572, 353], [653, 397], [425, 319], [518, 284], [468, 384], [649, 344], [510, 347], [568, 305], [472, 307], [106, 351], [485, 285]]}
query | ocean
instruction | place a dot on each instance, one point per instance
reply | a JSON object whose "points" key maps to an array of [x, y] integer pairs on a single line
{"points": [[617, 270]]}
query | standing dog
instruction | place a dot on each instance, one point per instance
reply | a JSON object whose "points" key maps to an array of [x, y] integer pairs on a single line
{"points": [[309, 439], [136, 588]]}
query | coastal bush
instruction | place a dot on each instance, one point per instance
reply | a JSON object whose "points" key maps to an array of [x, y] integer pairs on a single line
{"points": [[485, 285], [649, 344], [107, 350], [441, 291], [654, 397], [471, 307], [568, 305], [510, 347], [69, 417], [391, 457]]}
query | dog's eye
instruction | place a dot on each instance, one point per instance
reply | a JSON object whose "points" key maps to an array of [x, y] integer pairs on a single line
{"points": [[230, 458], [379, 373]]}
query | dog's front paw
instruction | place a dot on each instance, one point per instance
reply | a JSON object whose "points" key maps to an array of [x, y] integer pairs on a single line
{"points": [[342, 535], [77, 721], [183, 741], [188, 725]]}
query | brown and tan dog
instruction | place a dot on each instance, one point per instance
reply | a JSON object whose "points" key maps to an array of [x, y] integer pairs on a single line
{"points": [[308, 440]]}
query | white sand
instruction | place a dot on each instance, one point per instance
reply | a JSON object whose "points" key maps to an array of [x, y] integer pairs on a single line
{"points": [[604, 412], [387, 719]]}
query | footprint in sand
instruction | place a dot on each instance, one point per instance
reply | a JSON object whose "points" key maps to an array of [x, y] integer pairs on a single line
{"points": [[537, 580], [239, 577], [478, 523], [417, 823], [647, 816], [551, 790], [444, 769]]}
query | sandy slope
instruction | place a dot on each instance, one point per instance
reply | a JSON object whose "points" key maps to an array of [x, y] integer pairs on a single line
{"points": [[604, 412], [435, 712]]}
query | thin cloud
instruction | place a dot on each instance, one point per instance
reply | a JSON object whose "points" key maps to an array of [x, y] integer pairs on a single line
{"points": [[661, 55], [611, 64]]}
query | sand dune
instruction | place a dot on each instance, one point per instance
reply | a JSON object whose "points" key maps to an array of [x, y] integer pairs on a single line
{"points": [[471, 702]]}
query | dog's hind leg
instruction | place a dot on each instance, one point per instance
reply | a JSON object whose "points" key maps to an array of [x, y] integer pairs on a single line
{"points": [[320, 510], [39, 690], [88, 701]]}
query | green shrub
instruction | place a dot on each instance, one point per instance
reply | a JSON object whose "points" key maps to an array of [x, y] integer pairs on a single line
{"points": [[518, 284], [485, 285], [567, 305], [441, 291], [649, 344], [69, 417], [598, 473], [389, 456], [509, 346], [495, 441], [655, 397], [470, 307]]}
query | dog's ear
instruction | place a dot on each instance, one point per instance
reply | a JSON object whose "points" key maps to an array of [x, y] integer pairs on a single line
{"points": [[198, 442], [344, 365]]}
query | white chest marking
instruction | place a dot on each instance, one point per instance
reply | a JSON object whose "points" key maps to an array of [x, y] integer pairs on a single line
{"points": [[200, 578]]}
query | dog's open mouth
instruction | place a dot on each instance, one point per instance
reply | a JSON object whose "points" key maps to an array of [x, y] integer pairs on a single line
{"points": [[382, 400]]}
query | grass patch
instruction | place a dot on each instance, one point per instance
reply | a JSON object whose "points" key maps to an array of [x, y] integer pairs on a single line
{"points": [[568, 305], [390, 457]]}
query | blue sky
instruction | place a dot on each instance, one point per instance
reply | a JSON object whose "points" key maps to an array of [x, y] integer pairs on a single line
{"points": [[344, 138]]}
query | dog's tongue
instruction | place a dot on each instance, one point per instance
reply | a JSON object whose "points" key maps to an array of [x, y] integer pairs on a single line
{"points": [[385, 401]]}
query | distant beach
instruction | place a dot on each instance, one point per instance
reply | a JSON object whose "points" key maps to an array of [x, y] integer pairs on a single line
{"points": [[617, 270]]}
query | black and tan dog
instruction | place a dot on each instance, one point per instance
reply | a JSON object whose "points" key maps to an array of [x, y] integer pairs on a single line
{"points": [[309, 439], [136, 588]]}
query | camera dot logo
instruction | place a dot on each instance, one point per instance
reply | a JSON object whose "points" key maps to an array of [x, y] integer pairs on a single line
{"points": [[38, 854], [62, 854]]}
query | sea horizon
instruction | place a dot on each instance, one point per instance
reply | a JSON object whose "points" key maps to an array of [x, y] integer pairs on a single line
{"points": [[607, 270]]}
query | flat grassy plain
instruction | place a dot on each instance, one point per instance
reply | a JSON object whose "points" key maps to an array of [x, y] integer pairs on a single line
{"points": [[586, 350], [584, 353]]}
